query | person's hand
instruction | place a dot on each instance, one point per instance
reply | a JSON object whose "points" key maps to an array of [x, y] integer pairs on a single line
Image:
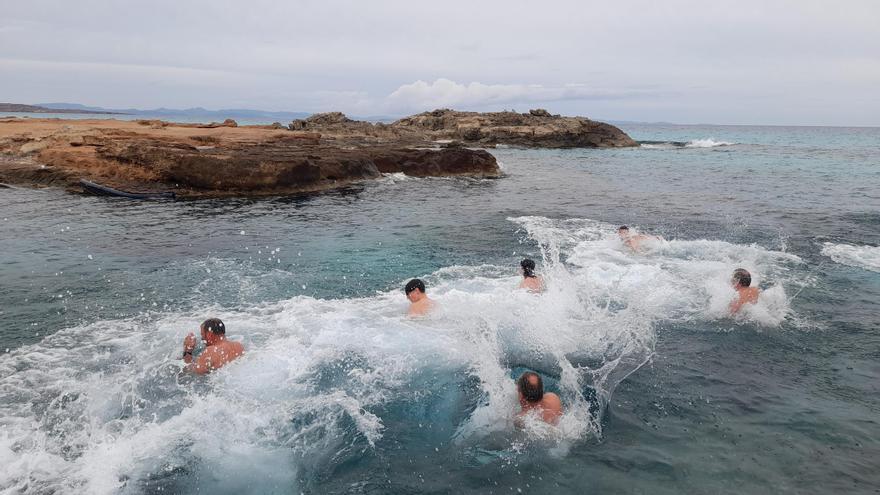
{"points": [[189, 343]]}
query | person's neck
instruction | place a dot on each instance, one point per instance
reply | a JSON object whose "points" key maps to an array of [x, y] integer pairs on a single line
{"points": [[216, 340]]}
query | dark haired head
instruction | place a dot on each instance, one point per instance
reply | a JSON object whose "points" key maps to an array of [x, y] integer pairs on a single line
{"points": [[413, 285], [530, 386], [742, 277], [623, 227], [215, 326], [528, 267]]}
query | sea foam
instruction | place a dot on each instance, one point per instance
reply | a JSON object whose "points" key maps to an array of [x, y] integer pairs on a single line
{"points": [[103, 407], [864, 257]]}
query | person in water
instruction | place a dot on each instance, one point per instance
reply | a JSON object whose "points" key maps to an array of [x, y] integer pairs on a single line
{"points": [[745, 294], [218, 351], [420, 303], [530, 281], [634, 241], [532, 397]]}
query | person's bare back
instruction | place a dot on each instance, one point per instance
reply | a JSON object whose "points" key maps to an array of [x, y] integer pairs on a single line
{"points": [[742, 280], [218, 351], [531, 282], [533, 399]]}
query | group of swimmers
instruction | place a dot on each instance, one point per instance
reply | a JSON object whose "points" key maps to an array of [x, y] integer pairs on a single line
{"points": [[741, 280], [530, 388]]}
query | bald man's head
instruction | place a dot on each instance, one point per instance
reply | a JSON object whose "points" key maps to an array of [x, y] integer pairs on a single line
{"points": [[530, 386]]}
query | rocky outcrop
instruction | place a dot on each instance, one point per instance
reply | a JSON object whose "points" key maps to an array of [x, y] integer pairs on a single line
{"points": [[194, 161], [536, 129], [324, 151]]}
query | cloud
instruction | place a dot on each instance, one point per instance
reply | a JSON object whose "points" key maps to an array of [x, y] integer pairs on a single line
{"points": [[443, 93], [729, 61]]}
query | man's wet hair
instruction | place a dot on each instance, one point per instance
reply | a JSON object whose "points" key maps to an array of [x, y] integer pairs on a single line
{"points": [[742, 277], [413, 285], [215, 326], [622, 227], [528, 266], [531, 386]]}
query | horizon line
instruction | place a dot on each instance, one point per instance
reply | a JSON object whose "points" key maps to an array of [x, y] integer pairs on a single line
{"points": [[399, 116]]}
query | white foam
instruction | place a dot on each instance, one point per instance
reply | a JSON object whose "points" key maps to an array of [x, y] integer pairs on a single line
{"points": [[706, 143], [865, 257], [694, 143], [100, 408], [396, 177]]}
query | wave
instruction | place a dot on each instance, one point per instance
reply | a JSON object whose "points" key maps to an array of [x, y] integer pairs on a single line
{"points": [[695, 143], [103, 408], [864, 257]]}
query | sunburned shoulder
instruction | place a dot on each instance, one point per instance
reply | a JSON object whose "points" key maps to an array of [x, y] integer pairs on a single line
{"points": [[552, 408], [533, 284], [749, 294], [217, 356], [551, 400]]}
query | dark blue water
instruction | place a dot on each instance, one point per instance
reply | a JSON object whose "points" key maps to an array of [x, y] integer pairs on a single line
{"points": [[339, 393]]}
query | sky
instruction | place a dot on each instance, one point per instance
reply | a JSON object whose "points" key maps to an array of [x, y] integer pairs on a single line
{"points": [[768, 62]]}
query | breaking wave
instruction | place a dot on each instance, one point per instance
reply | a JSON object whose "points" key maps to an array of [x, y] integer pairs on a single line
{"points": [[696, 143]]}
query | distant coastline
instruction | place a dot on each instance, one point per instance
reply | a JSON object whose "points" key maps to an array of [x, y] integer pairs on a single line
{"points": [[21, 108]]}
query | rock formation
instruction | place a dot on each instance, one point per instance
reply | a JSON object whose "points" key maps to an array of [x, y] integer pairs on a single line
{"points": [[324, 151], [537, 129], [225, 160]]}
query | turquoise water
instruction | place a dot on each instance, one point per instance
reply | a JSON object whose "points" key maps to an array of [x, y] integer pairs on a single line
{"points": [[338, 393]]}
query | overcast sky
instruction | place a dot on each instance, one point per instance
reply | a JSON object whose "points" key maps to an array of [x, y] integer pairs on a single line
{"points": [[736, 62]]}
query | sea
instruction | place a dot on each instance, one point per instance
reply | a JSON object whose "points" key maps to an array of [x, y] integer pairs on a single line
{"points": [[339, 393]]}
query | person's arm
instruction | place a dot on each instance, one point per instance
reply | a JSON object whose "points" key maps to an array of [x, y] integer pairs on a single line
{"points": [[189, 345], [198, 366], [736, 304]]}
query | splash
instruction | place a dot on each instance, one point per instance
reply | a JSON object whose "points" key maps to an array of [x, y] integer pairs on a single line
{"points": [[706, 143], [694, 143], [864, 257], [103, 408]]}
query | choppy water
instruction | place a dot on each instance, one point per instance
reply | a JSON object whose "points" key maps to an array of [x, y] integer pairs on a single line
{"points": [[338, 393]]}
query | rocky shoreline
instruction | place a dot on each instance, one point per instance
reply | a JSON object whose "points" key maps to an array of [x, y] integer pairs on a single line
{"points": [[325, 151]]}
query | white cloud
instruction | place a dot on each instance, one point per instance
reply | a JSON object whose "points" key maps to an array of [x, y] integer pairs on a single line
{"points": [[727, 61]]}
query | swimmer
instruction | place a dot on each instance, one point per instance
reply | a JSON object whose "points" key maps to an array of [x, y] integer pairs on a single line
{"points": [[533, 398], [741, 281], [420, 303], [530, 281], [634, 241], [218, 351]]}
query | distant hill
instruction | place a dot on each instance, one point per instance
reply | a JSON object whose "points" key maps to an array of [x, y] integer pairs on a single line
{"points": [[18, 107], [193, 113]]}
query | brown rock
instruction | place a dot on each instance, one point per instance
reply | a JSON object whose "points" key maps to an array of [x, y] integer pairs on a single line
{"points": [[536, 129], [33, 147]]}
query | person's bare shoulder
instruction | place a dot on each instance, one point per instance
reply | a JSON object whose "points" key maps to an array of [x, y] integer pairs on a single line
{"points": [[552, 400]]}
